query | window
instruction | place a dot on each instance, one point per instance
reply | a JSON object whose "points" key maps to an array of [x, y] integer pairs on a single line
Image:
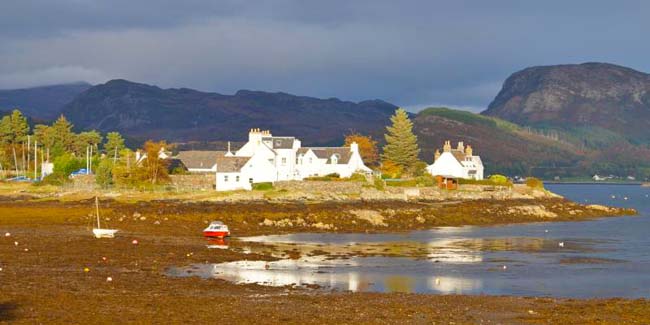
{"points": [[311, 160], [250, 180], [284, 161], [225, 178], [237, 178]]}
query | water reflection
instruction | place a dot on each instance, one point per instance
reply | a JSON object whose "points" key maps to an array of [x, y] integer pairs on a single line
{"points": [[599, 258]]}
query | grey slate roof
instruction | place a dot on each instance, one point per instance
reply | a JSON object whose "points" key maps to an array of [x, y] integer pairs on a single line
{"points": [[199, 159], [280, 142], [231, 164], [344, 154]]}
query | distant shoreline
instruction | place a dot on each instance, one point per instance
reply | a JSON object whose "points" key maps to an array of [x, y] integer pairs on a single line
{"points": [[592, 183]]}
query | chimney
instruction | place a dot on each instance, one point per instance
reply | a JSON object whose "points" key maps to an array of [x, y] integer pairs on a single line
{"points": [[461, 146], [469, 151], [354, 147], [447, 146], [255, 136], [436, 155], [138, 155]]}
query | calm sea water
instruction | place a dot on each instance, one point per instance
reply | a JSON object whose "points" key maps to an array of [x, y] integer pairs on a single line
{"points": [[609, 257]]}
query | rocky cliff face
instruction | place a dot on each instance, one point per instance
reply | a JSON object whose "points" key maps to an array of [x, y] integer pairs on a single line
{"points": [[143, 111], [583, 95]]}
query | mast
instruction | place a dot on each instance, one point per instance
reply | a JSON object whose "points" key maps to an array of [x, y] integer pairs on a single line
{"points": [[97, 209]]}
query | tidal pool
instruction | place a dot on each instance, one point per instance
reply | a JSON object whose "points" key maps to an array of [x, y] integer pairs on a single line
{"points": [[607, 257]]}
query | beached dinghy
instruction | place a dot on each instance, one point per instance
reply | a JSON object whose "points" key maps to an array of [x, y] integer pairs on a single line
{"points": [[216, 229], [99, 232]]}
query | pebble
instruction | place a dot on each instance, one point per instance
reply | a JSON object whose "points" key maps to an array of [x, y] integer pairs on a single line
{"points": [[109, 279], [26, 249], [86, 269], [7, 234], [0, 269], [156, 222], [15, 243], [104, 258], [134, 242]]}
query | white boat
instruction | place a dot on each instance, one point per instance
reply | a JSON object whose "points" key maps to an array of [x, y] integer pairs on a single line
{"points": [[99, 232]]}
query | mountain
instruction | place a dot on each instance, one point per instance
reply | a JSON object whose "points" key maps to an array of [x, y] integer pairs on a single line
{"points": [[44, 102], [144, 111], [606, 101], [504, 147]]}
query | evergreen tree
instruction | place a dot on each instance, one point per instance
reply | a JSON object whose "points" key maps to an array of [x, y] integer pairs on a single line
{"points": [[401, 144], [114, 144], [63, 138]]}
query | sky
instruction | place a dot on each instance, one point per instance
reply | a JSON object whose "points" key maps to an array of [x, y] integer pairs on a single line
{"points": [[414, 54]]}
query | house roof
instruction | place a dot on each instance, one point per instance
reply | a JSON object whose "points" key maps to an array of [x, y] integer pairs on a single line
{"points": [[231, 164], [280, 142], [199, 159], [344, 154], [459, 155]]}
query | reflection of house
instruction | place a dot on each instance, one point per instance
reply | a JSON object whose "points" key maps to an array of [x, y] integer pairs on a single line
{"points": [[456, 163], [266, 158]]}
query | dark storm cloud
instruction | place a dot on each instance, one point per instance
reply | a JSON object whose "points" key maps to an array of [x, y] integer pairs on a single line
{"points": [[412, 53]]}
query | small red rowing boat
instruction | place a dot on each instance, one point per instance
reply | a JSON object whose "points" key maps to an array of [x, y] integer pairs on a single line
{"points": [[216, 229]]}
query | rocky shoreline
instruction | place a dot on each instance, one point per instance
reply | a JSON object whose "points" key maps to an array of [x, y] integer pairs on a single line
{"points": [[49, 248]]}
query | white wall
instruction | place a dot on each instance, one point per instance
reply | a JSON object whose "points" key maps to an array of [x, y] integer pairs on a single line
{"points": [[231, 182], [447, 165]]}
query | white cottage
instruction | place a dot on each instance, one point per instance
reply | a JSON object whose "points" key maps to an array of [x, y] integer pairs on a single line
{"points": [[457, 163], [267, 158]]}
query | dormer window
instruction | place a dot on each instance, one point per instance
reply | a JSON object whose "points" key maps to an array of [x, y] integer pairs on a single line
{"points": [[335, 158]]}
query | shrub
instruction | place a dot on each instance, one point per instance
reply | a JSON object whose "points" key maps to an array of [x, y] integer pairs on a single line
{"points": [[56, 178], [379, 184], [499, 179], [390, 169], [67, 163], [533, 182], [488, 182], [402, 183], [356, 177], [426, 180], [104, 173], [265, 186]]}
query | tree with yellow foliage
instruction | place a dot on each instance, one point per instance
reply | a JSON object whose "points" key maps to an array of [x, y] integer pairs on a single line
{"points": [[367, 147]]}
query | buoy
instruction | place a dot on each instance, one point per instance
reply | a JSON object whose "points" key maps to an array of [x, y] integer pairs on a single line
{"points": [[26, 249], [437, 281], [625, 198], [109, 279], [7, 234], [561, 244], [134, 242], [545, 230], [505, 267], [86, 269]]}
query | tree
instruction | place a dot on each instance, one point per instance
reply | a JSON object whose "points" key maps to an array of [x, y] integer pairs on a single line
{"points": [[85, 139], [367, 147], [63, 138], [401, 144], [104, 173], [114, 144], [154, 169]]}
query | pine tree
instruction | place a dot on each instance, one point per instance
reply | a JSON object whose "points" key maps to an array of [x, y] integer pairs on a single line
{"points": [[401, 144], [114, 145]]}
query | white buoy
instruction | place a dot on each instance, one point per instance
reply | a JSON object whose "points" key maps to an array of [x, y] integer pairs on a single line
{"points": [[134, 242], [561, 244], [437, 281], [625, 198], [505, 267], [545, 230], [109, 279]]}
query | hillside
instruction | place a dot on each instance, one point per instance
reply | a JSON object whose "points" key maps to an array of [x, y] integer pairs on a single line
{"points": [[597, 103], [143, 111], [504, 147], [44, 103]]}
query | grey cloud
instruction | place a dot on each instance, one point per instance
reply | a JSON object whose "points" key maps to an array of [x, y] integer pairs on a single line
{"points": [[412, 53]]}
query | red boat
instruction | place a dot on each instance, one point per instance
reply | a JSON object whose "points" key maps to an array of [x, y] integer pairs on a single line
{"points": [[216, 229]]}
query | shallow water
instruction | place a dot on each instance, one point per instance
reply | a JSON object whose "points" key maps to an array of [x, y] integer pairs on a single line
{"points": [[608, 257]]}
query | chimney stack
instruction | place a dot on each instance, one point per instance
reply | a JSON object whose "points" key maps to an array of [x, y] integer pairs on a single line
{"points": [[461, 146], [469, 151], [436, 155], [447, 146]]}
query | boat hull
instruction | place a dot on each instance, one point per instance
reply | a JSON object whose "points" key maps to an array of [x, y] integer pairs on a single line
{"points": [[104, 233], [216, 234]]}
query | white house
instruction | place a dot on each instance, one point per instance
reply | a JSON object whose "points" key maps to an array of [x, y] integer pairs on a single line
{"points": [[266, 158], [457, 163]]}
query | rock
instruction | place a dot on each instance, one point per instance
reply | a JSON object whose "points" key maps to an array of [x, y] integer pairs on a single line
{"points": [[373, 217], [136, 215], [420, 219]]}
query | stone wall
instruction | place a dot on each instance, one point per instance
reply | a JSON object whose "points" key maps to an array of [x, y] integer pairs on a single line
{"points": [[193, 182]]}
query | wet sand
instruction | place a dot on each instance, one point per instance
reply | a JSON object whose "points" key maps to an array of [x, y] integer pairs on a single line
{"points": [[43, 278]]}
